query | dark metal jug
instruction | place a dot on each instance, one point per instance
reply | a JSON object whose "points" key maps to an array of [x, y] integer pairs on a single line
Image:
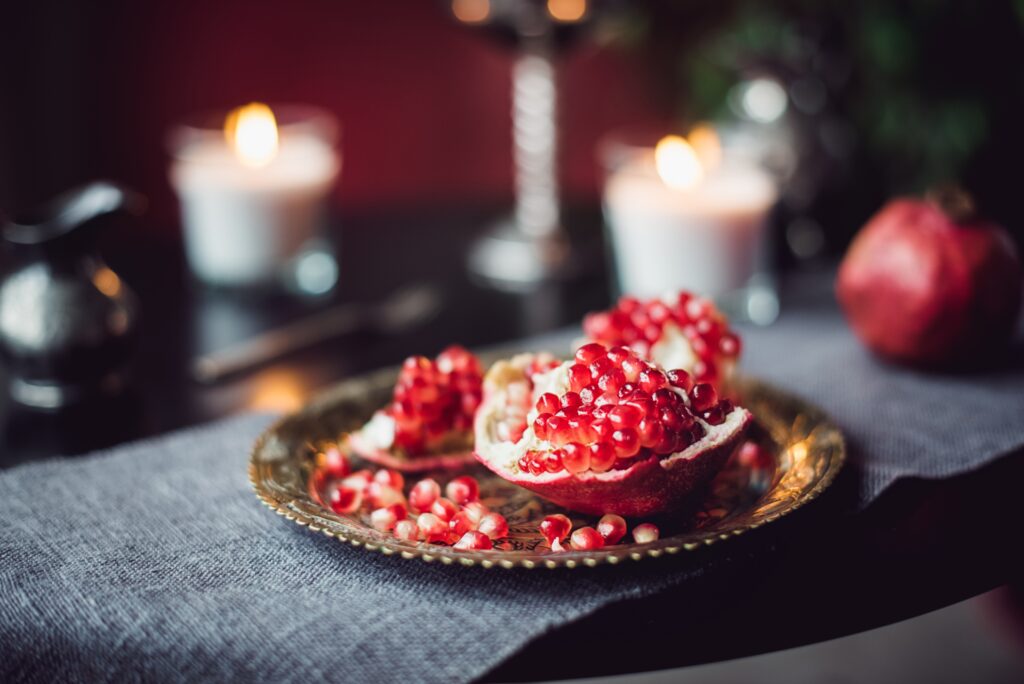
{"points": [[67, 321]]}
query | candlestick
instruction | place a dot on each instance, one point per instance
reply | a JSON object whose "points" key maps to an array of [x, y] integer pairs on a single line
{"points": [[686, 215], [252, 196]]}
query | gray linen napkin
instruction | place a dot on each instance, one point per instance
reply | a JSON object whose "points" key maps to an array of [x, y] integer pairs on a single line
{"points": [[155, 561]]}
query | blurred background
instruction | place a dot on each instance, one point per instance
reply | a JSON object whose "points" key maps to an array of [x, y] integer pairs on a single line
{"points": [[846, 104]]}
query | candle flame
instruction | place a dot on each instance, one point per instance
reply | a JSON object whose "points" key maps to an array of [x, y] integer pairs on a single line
{"points": [[471, 11], [706, 145], [567, 10], [677, 163], [252, 133]]}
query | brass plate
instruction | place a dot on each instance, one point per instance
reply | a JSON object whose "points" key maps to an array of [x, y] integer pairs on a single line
{"points": [[803, 453]]}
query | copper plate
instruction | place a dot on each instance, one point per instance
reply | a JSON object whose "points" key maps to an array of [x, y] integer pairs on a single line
{"points": [[802, 453]]}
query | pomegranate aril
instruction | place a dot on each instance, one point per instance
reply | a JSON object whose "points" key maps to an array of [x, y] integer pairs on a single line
{"points": [[632, 367], [433, 528], [555, 528], [423, 494], [680, 378], [571, 400], [334, 462], [612, 381], [384, 519], [360, 480], [575, 457], [552, 461], [346, 499], [474, 541], [625, 415], [461, 523], [589, 353], [407, 530], [494, 525], [651, 432], [703, 396], [714, 415], [558, 430], [475, 510], [444, 509], [590, 393], [382, 495], [579, 377], [612, 528], [626, 442], [462, 490], [729, 344], [645, 533], [540, 425], [587, 539], [548, 403], [599, 367], [652, 380], [602, 456]]}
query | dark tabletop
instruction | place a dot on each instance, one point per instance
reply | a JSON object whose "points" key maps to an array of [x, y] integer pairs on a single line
{"points": [[822, 573]]}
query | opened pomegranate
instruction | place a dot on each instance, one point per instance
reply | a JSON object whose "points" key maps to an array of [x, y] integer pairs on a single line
{"points": [[681, 331], [429, 421], [926, 283], [607, 432]]}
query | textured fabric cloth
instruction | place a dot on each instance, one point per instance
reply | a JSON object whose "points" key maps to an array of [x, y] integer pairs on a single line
{"points": [[154, 561]]}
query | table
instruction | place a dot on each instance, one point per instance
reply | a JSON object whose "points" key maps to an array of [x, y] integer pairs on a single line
{"points": [[819, 574]]}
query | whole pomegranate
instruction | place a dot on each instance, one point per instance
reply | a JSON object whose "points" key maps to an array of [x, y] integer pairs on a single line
{"points": [[926, 283]]}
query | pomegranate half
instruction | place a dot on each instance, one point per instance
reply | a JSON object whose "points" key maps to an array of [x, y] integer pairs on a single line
{"points": [[607, 432], [680, 330], [429, 422]]}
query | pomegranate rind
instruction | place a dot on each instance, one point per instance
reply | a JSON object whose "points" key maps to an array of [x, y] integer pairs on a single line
{"points": [[448, 461], [645, 488]]}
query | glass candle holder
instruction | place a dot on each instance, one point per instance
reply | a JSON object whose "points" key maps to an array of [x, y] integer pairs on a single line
{"points": [[253, 185], [684, 213]]}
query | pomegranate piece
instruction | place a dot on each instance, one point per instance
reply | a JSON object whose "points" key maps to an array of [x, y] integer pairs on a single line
{"points": [[645, 533], [555, 528], [360, 480], [444, 509], [461, 523], [429, 421], [586, 539], [462, 490], [389, 478], [333, 462], [433, 528], [407, 530], [632, 451], [379, 495], [385, 519], [494, 525], [612, 528], [474, 541], [475, 510], [345, 499], [926, 283], [423, 494], [680, 330]]}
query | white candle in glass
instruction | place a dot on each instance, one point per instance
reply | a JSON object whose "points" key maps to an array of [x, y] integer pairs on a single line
{"points": [[679, 220], [253, 194]]}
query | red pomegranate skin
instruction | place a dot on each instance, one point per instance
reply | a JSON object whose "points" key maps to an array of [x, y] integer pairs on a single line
{"points": [[922, 289]]}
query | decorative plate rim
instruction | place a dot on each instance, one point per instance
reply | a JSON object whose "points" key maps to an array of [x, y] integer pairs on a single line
{"points": [[337, 527]]}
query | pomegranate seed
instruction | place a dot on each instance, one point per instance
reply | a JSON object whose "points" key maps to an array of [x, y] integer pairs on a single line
{"points": [[618, 354], [626, 442], [558, 430], [652, 380], [612, 381], [729, 345], [602, 456], [575, 457], [360, 480], [571, 400], [587, 539], [703, 397], [590, 393], [645, 533], [433, 528], [443, 509], [407, 530], [540, 426], [612, 528], [599, 367], [727, 406], [548, 403], [680, 378], [625, 415], [384, 519], [579, 377], [423, 494], [474, 541], [552, 462], [334, 462], [346, 499], [632, 367], [381, 495], [462, 490], [475, 510], [651, 432], [461, 523], [389, 478], [589, 353], [555, 528], [665, 397], [714, 415], [494, 525]]}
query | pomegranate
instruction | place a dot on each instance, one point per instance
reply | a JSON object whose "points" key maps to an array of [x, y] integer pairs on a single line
{"points": [[926, 283], [621, 439], [429, 421], [680, 331]]}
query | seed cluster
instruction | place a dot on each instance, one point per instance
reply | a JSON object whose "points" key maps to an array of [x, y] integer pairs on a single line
{"points": [[619, 408], [639, 324], [610, 529], [434, 399]]}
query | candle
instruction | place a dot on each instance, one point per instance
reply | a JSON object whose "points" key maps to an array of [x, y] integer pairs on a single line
{"points": [[252, 193], [683, 215]]}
